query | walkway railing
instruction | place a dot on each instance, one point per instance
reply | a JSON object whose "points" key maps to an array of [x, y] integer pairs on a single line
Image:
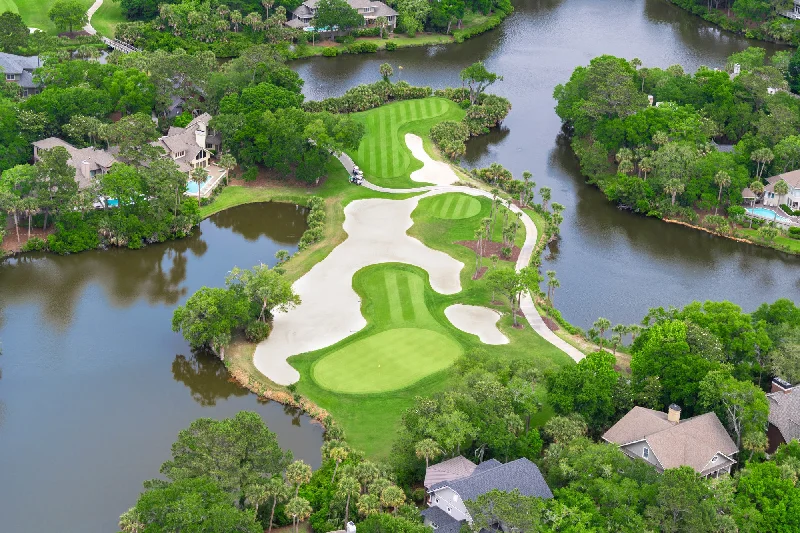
{"points": [[125, 48]]}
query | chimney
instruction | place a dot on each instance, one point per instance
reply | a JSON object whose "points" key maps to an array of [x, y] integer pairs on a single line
{"points": [[674, 413], [737, 69], [650, 99], [781, 385], [85, 169], [200, 135], [350, 527]]}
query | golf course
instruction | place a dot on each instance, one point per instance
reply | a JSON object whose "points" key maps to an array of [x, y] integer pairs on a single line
{"points": [[35, 13]]}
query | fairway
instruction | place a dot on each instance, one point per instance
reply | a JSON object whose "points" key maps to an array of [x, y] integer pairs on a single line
{"points": [[34, 12], [454, 206], [387, 361], [383, 154]]}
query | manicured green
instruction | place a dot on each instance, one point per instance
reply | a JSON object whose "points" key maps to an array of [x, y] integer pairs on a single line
{"points": [[34, 12], [383, 154], [107, 17], [371, 420], [455, 206], [388, 361]]}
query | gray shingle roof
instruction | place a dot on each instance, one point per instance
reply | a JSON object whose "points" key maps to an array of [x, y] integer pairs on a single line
{"points": [[96, 159], [486, 465], [784, 413], [444, 522], [12, 64], [792, 178], [455, 468], [521, 474]]}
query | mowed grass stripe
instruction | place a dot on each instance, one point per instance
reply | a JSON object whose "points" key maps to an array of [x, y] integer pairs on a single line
{"points": [[393, 297], [417, 287], [451, 208], [445, 207], [406, 298]]}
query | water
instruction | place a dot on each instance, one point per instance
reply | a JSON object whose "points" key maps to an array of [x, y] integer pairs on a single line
{"points": [[766, 213], [609, 262], [192, 187], [95, 386]]}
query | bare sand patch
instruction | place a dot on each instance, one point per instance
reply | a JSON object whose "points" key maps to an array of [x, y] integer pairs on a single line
{"points": [[480, 321], [432, 171]]}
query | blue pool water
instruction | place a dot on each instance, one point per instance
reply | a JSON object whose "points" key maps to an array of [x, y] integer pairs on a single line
{"points": [[766, 213], [192, 187], [113, 203]]}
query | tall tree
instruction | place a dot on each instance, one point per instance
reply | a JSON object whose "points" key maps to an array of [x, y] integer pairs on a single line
{"points": [[266, 287], [209, 317], [427, 449], [68, 14], [348, 487], [298, 473], [276, 489], [332, 14], [722, 179], [298, 509], [13, 32], [55, 180], [478, 78]]}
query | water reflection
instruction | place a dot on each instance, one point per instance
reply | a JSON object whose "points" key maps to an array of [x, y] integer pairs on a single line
{"points": [[206, 377], [284, 224]]}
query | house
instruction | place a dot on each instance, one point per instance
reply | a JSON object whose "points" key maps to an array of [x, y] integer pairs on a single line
{"points": [[784, 414], [19, 70], [451, 482], [190, 147], [794, 12], [792, 199], [369, 9], [665, 441], [87, 162]]}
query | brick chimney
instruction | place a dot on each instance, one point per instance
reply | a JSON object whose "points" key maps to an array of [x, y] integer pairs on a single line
{"points": [[781, 385], [674, 413]]}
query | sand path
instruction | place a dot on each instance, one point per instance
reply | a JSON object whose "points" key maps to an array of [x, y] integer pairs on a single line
{"points": [[376, 233], [480, 321]]}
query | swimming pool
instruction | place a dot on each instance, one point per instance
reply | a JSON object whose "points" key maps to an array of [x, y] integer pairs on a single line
{"points": [[766, 213], [192, 185], [113, 202]]}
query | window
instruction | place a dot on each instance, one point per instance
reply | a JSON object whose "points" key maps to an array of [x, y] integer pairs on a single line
{"points": [[180, 154], [437, 499], [714, 459], [646, 453], [11, 77]]}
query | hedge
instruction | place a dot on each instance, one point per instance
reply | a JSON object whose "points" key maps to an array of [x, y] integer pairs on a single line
{"points": [[492, 22]]}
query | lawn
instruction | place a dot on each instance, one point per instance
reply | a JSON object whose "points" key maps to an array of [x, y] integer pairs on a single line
{"points": [[383, 154], [791, 245], [395, 314], [107, 17], [34, 12], [454, 206]]}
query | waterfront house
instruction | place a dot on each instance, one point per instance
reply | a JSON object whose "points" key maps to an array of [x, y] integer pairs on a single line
{"points": [[369, 9], [794, 11], [784, 414], [665, 441], [87, 162], [190, 147], [772, 199], [19, 70], [450, 483]]}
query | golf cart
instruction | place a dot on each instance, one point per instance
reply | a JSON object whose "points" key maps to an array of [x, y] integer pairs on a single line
{"points": [[357, 176]]}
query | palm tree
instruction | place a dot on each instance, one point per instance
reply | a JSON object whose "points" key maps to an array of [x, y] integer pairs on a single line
{"points": [[10, 203], [236, 19], [602, 325], [393, 496], [348, 487], [762, 156], [222, 11], [427, 449], [366, 472], [252, 20], [660, 138], [130, 522], [298, 473], [758, 189], [781, 189], [386, 71], [616, 339], [552, 285], [624, 154], [368, 504], [277, 489], [526, 188], [256, 494], [298, 509], [29, 206], [634, 330], [337, 454], [674, 187], [478, 244], [381, 23], [267, 4], [626, 167], [723, 179], [199, 176], [544, 192], [646, 165]]}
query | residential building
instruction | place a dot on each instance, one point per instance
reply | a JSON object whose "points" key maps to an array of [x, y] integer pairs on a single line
{"points": [[190, 147], [772, 199], [19, 70], [784, 414], [665, 441], [369, 9], [87, 162], [794, 12], [450, 483]]}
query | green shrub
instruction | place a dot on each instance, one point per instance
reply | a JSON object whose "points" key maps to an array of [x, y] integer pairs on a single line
{"points": [[391, 46], [330, 52], [257, 331], [182, 120], [418, 495], [251, 174], [34, 244], [492, 22], [449, 136], [789, 211], [373, 31], [73, 234], [362, 47], [344, 39], [794, 232]]}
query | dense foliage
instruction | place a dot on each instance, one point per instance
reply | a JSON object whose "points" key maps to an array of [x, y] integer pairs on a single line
{"points": [[756, 19], [661, 159]]}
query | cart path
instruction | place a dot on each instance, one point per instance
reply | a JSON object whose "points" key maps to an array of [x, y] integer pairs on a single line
{"points": [[376, 233]]}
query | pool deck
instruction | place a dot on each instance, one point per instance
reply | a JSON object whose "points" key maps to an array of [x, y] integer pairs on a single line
{"points": [[216, 173], [778, 216]]}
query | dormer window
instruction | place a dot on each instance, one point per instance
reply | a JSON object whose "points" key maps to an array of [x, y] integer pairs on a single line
{"points": [[646, 453], [714, 459], [180, 154]]}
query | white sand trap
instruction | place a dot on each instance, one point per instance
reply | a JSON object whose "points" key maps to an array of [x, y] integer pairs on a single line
{"points": [[480, 321], [331, 310], [432, 171]]}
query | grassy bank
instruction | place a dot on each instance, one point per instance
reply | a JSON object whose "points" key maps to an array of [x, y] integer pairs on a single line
{"points": [[107, 17], [34, 12]]}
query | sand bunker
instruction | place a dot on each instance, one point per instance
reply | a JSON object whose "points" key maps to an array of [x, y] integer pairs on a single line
{"points": [[432, 171], [331, 309], [480, 321]]}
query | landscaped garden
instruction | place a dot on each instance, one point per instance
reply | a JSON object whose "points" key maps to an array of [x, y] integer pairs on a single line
{"points": [[383, 154]]}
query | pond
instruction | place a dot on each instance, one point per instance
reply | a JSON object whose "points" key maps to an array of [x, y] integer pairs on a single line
{"points": [[95, 385], [609, 262]]}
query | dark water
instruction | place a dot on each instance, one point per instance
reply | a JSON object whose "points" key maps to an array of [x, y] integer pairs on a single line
{"points": [[609, 263], [95, 386]]}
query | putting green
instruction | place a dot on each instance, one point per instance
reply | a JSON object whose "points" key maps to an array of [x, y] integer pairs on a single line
{"points": [[386, 361], [454, 206]]}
